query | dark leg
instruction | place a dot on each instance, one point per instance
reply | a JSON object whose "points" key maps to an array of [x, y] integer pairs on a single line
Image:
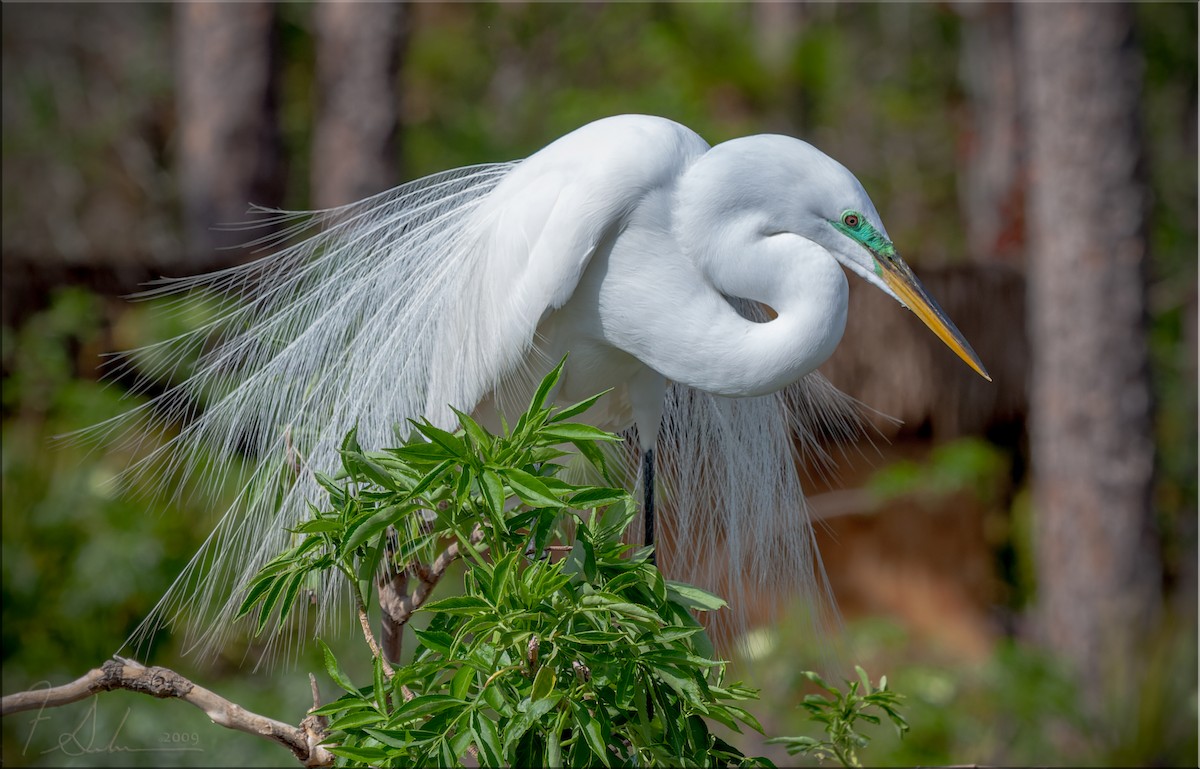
{"points": [[648, 497]]}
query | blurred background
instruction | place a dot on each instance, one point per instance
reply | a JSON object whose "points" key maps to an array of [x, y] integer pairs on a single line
{"points": [[1019, 557]]}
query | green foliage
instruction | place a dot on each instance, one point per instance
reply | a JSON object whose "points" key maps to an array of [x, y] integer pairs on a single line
{"points": [[965, 466], [587, 659], [88, 551], [840, 713], [89, 150], [1013, 706]]}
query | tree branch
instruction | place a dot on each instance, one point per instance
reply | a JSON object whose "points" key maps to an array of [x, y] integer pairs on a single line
{"points": [[398, 604], [365, 621], [119, 673]]}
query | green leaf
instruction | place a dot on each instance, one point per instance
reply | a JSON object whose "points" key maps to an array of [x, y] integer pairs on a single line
{"points": [[821, 682], [698, 732], [460, 685], [554, 744], [495, 699], [350, 441], [393, 738], [818, 701], [579, 407], [335, 672], [270, 601], [380, 682], [431, 478], [258, 589], [593, 637], [482, 438], [422, 706], [501, 574], [683, 684], [795, 745], [421, 451], [458, 604], [574, 431], [672, 634], [592, 453], [290, 592], [465, 479], [356, 720], [367, 527], [745, 717], [493, 491], [345, 704], [547, 384], [531, 490], [487, 740], [446, 756], [368, 565], [862, 676], [372, 470], [435, 640], [528, 714], [591, 732], [337, 493], [450, 442], [318, 526], [721, 714], [693, 597], [597, 496], [461, 740], [618, 606], [363, 756], [543, 683]]}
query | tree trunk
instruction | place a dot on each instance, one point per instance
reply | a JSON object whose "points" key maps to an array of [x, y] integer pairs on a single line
{"points": [[230, 148], [355, 152], [992, 182], [777, 28], [1099, 575]]}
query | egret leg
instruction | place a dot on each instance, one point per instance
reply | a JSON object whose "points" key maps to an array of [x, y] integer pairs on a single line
{"points": [[648, 498]]}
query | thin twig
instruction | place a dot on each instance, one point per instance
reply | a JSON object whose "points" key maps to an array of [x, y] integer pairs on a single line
{"points": [[316, 725], [119, 673], [364, 620]]}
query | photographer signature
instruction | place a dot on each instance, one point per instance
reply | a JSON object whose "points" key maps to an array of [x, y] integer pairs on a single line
{"points": [[85, 738]]}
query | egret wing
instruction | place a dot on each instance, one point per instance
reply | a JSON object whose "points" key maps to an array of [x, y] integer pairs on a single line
{"points": [[534, 236], [368, 315]]}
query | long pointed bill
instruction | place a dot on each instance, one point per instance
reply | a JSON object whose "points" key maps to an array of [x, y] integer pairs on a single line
{"points": [[900, 278]]}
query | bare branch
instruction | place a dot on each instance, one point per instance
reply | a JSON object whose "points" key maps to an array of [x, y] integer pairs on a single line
{"points": [[365, 621], [398, 604], [119, 673]]}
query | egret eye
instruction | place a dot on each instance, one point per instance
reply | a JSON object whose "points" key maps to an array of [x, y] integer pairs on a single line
{"points": [[850, 219]]}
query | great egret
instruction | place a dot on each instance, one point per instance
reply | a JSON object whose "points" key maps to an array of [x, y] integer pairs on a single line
{"points": [[631, 245]]}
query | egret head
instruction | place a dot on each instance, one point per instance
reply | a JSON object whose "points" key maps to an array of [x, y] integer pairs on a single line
{"points": [[779, 184], [841, 217], [862, 245]]}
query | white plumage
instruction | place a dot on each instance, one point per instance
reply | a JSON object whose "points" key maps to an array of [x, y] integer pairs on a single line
{"points": [[629, 244]]}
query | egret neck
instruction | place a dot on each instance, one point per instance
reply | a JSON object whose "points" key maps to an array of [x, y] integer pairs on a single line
{"points": [[801, 283]]}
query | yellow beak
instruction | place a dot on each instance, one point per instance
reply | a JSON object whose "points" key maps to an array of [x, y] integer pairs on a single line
{"points": [[900, 278]]}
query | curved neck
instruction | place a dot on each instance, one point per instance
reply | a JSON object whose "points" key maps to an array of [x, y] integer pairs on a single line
{"points": [[799, 281], [670, 309]]}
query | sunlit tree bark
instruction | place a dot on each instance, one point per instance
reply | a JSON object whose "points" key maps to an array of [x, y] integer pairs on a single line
{"points": [[230, 150], [992, 182], [355, 146], [1099, 576]]}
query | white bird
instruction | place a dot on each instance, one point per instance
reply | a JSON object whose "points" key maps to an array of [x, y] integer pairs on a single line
{"points": [[630, 244]]}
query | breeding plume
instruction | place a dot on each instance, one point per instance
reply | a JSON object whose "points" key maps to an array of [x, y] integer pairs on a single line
{"points": [[629, 245]]}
